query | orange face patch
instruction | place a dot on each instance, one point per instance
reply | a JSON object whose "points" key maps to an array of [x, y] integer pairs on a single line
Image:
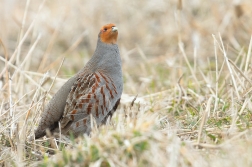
{"points": [[109, 33]]}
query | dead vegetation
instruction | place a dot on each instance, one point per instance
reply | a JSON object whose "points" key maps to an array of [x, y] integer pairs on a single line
{"points": [[189, 62]]}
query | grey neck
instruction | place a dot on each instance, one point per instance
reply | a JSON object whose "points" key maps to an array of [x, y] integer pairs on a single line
{"points": [[106, 58]]}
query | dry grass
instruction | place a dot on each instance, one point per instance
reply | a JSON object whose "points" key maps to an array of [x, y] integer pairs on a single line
{"points": [[188, 61]]}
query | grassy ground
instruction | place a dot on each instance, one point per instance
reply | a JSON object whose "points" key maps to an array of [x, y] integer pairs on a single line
{"points": [[189, 62]]}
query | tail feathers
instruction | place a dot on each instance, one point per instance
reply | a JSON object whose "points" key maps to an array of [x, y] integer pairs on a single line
{"points": [[42, 132]]}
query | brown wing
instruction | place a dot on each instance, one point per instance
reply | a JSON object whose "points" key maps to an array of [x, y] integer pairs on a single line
{"points": [[91, 94]]}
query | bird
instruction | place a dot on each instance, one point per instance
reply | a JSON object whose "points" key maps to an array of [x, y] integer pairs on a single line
{"points": [[95, 91]]}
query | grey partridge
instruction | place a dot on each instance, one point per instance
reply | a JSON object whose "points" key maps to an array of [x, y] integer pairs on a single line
{"points": [[95, 90]]}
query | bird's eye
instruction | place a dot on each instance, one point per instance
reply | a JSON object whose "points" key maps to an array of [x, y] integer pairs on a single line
{"points": [[105, 29]]}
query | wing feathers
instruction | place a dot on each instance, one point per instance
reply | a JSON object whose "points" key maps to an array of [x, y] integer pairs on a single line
{"points": [[90, 94]]}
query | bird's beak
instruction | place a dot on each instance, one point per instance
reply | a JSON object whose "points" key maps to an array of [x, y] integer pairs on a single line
{"points": [[114, 29]]}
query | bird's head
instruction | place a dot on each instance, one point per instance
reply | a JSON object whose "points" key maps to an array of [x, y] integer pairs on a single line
{"points": [[108, 34]]}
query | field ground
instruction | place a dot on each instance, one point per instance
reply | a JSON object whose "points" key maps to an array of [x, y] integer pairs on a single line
{"points": [[188, 63]]}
